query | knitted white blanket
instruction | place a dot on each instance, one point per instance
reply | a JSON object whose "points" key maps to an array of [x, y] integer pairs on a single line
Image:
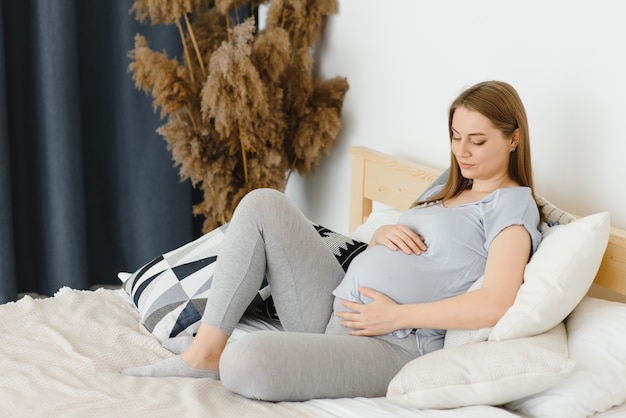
{"points": [[62, 356]]}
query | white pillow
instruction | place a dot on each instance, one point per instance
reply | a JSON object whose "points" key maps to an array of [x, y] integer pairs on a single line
{"points": [[597, 343], [485, 373], [557, 277]]}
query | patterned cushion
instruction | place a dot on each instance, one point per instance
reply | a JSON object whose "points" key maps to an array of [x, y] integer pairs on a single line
{"points": [[171, 291], [344, 248], [553, 215]]}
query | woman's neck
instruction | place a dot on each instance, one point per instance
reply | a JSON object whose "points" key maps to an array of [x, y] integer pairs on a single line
{"points": [[491, 185]]}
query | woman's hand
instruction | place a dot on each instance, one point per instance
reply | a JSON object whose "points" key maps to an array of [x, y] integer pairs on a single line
{"points": [[375, 318], [398, 236]]}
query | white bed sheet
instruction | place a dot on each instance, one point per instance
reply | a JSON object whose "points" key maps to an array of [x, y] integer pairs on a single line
{"points": [[62, 356], [381, 407]]}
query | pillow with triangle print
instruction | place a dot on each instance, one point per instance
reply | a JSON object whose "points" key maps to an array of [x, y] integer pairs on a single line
{"points": [[171, 291]]}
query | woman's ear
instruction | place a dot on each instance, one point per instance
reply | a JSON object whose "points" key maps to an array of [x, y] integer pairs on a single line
{"points": [[515, 139]]}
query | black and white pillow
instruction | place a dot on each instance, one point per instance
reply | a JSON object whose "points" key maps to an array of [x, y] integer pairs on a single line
{"points": [[171, 291], [344, 248]]}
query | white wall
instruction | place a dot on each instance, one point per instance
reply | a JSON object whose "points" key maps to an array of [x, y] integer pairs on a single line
{"points": [[406, 60]]}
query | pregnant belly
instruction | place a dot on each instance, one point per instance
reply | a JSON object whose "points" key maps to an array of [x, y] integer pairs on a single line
{"points": [[404, 278]]}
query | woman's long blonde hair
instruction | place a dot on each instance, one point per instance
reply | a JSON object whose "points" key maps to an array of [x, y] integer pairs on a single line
{"points": [[500, 103]]}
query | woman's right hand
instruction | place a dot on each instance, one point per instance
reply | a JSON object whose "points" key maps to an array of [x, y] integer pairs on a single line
{"points": [[398, 236]]}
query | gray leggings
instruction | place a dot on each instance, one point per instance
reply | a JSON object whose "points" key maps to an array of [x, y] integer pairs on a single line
{"points": [[315, 358]]}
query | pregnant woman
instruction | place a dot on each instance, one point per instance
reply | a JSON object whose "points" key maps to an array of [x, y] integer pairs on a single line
{"points": [[348, 335]]}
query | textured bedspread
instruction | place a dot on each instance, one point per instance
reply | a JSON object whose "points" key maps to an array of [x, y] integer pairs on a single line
{"points": [[62, 357]]}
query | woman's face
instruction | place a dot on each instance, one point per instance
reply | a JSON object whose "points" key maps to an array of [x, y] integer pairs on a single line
{"points": [[481, 150]]}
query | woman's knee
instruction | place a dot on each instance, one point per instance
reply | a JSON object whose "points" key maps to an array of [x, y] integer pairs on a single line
{"points": [[247, 367], [263, 197], [265, 206]]}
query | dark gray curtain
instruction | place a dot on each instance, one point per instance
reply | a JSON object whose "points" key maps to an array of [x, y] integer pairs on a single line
{"points": [[87, 187]]}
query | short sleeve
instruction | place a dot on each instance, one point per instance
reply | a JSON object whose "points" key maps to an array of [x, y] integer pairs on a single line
{"points": [[507, 207]]}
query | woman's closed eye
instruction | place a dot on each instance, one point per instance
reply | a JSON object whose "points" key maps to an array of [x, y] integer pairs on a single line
{"points": [[477, 142]]}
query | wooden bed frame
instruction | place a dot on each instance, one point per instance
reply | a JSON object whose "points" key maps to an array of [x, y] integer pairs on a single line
{"points": [[396, 182]]}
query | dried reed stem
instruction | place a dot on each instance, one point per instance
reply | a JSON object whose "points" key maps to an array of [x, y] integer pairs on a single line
{"points": [[195, 45], [182, 37], [282, 18], [193, 122], [291, 169], [228, 28], [244, 159]]}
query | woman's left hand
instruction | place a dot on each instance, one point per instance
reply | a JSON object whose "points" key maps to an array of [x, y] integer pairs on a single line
{"points": [[375, 318]]}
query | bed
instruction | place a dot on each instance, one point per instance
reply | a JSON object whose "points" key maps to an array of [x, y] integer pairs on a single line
{"points": [[62, 356]]}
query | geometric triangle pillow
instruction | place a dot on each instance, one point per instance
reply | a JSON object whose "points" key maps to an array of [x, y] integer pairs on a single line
{"points": [[170, 291]]}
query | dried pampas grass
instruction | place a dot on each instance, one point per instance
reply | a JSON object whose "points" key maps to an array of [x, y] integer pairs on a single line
{"points": [[243, 108]]}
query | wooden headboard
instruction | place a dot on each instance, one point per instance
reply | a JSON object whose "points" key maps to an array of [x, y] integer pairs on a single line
{"points": [[396, 182]]}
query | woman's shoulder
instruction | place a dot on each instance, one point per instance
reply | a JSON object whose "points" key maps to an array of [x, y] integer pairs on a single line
{"points": [[513, 205], [515, 193], [513, 200]]}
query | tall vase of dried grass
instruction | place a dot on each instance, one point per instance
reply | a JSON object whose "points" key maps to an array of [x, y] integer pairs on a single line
{"points": [[244, 108]]}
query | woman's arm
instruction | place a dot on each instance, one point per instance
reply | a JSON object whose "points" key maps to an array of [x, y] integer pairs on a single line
{"points": [[504, 274]]}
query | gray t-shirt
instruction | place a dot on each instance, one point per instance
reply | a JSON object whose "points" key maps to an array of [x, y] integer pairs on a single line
{"points": [[458, 241]]}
